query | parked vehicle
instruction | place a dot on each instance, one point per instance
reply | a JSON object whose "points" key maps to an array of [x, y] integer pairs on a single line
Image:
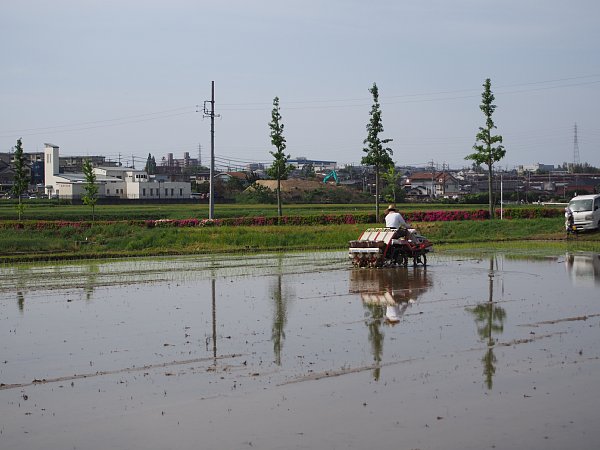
{"points": [[586, 211]]}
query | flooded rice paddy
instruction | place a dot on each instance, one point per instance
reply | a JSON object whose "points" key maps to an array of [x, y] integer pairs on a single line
{"points": [[301, 351]]}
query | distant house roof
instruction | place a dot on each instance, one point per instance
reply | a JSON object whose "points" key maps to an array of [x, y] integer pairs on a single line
{"points": [[418, 191], [427, 176], [71, 177], [80, 178], [229, 175], [238, 175]]}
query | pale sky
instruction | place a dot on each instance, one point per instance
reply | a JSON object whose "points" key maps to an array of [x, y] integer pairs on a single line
{"points": [[107, 77]]}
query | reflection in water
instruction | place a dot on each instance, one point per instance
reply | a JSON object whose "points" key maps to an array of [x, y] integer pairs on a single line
{"points": [[280, 298], [386, 295], [213, 337], [73, 275], [490, 322], [583, 268], [90, 280], [214, 320], [21, 287], [279, 319], [20, 301]]}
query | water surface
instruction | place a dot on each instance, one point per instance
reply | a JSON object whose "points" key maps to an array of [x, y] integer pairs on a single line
{"points": [[301, 351]]}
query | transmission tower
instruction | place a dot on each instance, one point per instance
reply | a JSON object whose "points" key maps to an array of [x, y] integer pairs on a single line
{"points": [[576, 161]]}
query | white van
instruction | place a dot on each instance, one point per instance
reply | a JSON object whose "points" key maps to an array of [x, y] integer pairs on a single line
{"points": [[586, 211]]}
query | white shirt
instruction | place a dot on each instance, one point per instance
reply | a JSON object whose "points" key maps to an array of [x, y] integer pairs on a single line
{"points": [[394, 219]]}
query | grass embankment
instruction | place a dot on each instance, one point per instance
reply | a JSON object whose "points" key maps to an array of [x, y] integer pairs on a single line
{"points": [[116, 240], [122, 239]]}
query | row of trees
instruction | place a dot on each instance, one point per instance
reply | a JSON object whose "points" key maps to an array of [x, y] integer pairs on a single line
{"points": [[488, 150], [488, 147]]}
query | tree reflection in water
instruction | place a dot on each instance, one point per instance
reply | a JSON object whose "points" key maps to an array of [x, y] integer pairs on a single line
{"points": [[21, 285], [280, 298], [373, 323], [91, 280], [20, 301], [386, 295], [490, 322]]}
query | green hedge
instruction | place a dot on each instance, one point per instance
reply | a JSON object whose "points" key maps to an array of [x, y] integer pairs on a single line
{"points": [[322, 219]]}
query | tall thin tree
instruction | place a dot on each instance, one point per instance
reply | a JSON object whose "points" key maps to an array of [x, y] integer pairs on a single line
{"points": [[377, 155], [150, 167], [392, 177], [280, 169], [489, 149], [21, 178], [90, 188]]}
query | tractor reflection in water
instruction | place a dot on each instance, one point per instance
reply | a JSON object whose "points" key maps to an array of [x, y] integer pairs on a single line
{"points": [[386, 295]]}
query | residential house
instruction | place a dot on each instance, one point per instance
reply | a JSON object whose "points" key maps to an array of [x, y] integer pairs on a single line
{"points": [[431, 184], [226, 176]]}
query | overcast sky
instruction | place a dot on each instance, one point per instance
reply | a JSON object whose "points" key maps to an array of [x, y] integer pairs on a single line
{"points": [[124, 77]]}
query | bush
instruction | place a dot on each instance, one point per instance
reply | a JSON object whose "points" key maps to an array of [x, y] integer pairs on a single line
{"points": [[257, 194], [530, 213], [121, 227]]}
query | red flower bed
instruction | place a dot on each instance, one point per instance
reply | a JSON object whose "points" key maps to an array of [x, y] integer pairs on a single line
{"points": [[326, 219], [446, 216]]}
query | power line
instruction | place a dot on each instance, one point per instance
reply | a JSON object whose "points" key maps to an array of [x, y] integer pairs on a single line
{"points": [[434, 96], [78, 124], [70, 130], [414, 97]]}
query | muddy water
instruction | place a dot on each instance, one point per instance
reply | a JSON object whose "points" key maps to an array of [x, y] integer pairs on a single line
{"points": [[301, 351]]}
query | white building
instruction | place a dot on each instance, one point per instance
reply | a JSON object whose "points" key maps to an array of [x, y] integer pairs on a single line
{"points": [[318, 165], [535, 168], [113, 182]]}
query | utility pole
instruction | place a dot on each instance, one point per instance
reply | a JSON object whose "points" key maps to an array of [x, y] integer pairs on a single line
{"points": [[444, 178], [212, 115], [501, 197], [432, 179]]}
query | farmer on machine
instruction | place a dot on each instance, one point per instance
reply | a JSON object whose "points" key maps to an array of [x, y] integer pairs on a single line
{"points": [[393, 219]]}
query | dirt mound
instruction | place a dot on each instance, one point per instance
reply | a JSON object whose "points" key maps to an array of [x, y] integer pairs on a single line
{"points": [[294, 185]]}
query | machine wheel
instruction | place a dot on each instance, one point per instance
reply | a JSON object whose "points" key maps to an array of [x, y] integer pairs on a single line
{"points": [[421, 259]]}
